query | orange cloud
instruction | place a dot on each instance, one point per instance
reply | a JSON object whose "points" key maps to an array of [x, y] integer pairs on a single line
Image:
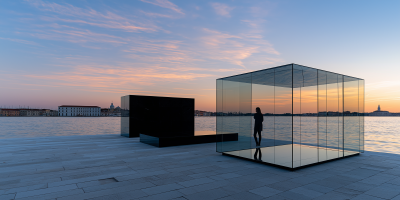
{"points": [[112, 76]]}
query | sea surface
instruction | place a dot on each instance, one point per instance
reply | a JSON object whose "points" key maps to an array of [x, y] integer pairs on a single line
{"points": [[382, 134]]}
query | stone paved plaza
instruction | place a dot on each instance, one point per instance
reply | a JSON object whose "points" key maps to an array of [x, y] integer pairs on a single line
{"points": [[114, 167]]}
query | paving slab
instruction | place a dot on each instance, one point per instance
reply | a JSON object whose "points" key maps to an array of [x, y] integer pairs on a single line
{"points": [[45, 191], [366, 197], [113, 167], [334, 195], [385, 191], [265, 191]]}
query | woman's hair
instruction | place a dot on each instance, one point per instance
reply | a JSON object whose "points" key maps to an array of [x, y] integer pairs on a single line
{"points": [[258, 110]]}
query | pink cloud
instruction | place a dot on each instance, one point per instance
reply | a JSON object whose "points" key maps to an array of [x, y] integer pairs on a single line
{"points": [[92, 17], [222, 9], [20, 41], [234, 48], [165, 4], [157, 15]]}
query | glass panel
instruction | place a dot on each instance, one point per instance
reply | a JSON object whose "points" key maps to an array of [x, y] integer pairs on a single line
{"points": [[230, 114], [340, 119], [297, 83], [264, 77], [332, 118], [283, 118], [284, 68], [361, 110], [245, 113], [310, 77], [351, 118], [285, 77], [309, 119], [263, 98], [322, 119], [219, 117], [125, 116]]}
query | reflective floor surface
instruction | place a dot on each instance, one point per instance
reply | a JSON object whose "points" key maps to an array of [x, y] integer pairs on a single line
{"points": [[282, 155]]}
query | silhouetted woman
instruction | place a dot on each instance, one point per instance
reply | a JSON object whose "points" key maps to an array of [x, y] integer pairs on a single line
{"points": [[259, 118]]}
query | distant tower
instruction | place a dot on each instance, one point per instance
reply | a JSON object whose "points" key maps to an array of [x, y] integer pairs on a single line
{"points": [[379, 107], [112, 106]]}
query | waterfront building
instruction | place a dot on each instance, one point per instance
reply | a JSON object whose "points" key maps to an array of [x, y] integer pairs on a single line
{"points": [[104, 112], [312, 115], [117, 109], [26, 112], [9, 112], [34, 112], [111, 112], [53, 113], [203, 113], [38, 112], [77, 111], [380, 112]]}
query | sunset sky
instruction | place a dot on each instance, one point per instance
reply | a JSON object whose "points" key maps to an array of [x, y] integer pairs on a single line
{"points": [[93, 52]]}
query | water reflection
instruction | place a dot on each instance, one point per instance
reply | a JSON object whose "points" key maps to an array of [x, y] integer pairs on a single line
{"points": [[382, 134], [323, 132]]}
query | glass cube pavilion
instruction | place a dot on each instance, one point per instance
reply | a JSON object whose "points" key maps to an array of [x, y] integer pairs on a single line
{"points": [[310, 115]]}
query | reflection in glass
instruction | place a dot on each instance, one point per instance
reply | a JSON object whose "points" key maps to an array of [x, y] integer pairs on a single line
{"points": [[309, 115], [125, 116], [258, 154]]}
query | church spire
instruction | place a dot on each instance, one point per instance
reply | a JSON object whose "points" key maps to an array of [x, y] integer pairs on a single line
{"points": [[379, 107]]}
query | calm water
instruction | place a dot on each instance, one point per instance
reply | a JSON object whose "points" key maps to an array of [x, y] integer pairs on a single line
{"points": [[382, 134]]}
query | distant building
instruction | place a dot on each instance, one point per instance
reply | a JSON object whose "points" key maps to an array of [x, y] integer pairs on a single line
{"points": [[104, 112], [111, 112], [9, 112], [203, 113], [27, 112], [117, 109], [77, 111], [34, 112], [53, 113], [380, 112]]}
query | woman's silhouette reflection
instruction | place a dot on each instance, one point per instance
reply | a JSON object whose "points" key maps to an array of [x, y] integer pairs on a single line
{"points": [[257, 154], [258, 126]]}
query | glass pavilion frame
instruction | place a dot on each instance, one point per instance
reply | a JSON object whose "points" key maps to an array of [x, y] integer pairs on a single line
{"points": [[310, 115]]}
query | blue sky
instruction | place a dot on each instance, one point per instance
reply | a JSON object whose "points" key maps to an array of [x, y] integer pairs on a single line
{"points": [[94, 52]]}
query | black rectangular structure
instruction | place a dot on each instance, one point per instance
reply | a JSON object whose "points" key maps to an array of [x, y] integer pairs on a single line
{"points": [[186, 140], [156, 116]]}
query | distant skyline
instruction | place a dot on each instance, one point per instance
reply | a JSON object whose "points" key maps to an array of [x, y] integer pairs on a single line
{"points": [[93, 52]]}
